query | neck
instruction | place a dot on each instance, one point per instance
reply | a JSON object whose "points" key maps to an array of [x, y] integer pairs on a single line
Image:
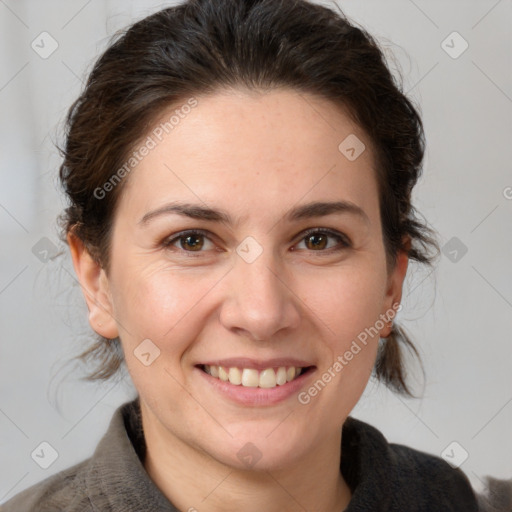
{"points": [[315, 483]]}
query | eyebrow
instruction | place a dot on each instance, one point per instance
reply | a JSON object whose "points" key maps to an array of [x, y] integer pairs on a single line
{"points": [[306, 211]]}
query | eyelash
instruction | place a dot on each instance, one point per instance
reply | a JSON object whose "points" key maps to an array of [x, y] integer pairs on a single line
{"points": [[339, 237]]}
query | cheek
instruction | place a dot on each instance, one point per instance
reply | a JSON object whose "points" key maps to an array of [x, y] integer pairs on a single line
{"points": [[159, 303], [161, 306], [347, 299], [348, 309]]}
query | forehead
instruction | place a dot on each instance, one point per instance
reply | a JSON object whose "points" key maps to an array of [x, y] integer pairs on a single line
{"points": [[253, 149]]}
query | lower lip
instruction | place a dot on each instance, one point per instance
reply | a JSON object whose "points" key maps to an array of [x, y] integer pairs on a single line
{"points": [[256, 396]]}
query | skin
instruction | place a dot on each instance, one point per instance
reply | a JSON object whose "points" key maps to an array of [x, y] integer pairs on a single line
{"points": [[256, 155]]}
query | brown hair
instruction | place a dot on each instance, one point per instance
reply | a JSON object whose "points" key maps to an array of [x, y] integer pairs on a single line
{"points": [[201, 46]]}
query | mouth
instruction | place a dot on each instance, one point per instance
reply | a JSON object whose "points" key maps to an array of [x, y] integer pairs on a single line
{"points": [[247, 377]]}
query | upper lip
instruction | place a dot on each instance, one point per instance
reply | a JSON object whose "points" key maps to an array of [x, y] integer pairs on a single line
{"points": [[258, 364]]}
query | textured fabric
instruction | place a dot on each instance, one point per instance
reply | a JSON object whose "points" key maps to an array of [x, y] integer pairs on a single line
{"points": [[382, 476], [497, 496], [112, 480]]}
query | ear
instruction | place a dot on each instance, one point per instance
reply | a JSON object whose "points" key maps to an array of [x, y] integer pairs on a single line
{"points": [[395, 282], [95, 287]]}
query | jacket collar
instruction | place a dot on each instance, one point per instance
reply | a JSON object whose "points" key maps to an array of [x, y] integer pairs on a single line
{"points": [[116, 479], [382, 476]]}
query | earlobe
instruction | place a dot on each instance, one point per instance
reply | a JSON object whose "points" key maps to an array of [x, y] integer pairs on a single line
{"points": [[394, 290], [95, 287]]}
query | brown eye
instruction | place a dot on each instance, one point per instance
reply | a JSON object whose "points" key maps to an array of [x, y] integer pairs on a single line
{"points": [[318, 240], [189, 241], [195, 242]]}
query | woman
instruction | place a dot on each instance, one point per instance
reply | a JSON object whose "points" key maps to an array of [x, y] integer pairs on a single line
{"points": [[239, 176]]}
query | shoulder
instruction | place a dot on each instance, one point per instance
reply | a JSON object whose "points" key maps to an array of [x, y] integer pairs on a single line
{"points": [[65, 490], [74, 488], [395, 477], [113, 478], [432, 478]]}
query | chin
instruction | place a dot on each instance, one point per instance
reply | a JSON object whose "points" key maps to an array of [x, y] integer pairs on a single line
{"points": [[262, 448], [250, 458]]}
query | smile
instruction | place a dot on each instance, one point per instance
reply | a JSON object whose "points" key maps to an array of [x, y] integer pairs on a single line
{"points": [[252, 378]]}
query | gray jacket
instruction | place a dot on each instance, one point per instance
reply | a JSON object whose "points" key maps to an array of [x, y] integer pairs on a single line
{"points": [[382, 476]]}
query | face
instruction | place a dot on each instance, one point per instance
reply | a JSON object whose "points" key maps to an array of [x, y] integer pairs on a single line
{"points": [[213, 263]]}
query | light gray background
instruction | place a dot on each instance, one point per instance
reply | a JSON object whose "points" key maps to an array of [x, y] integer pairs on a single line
{"points": [[460, 315]]}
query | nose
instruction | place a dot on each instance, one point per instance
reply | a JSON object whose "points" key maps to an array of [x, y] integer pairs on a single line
{"points": [[259, 302]]}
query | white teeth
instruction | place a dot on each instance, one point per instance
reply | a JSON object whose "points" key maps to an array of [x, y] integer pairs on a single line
{"points": [[223, 375], [251, 378], [268, 378], [281, 376], [235, 376]]}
